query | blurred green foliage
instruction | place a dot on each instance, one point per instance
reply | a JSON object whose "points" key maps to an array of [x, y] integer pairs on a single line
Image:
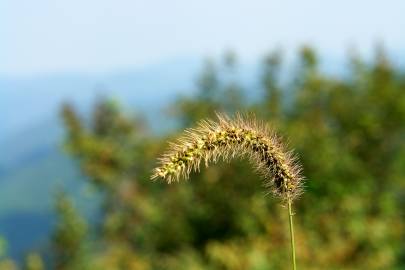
{"points": [[68, 238], [349, 132], [34, 262]]}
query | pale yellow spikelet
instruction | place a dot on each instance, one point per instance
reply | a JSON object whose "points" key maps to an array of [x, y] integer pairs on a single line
{"points": [[227, 138]]}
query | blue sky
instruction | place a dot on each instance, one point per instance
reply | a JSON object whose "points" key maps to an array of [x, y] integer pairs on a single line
{"points": [[45, 36]]}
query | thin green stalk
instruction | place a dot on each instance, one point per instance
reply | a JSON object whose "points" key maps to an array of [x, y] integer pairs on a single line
{"points": [[290, 215]]}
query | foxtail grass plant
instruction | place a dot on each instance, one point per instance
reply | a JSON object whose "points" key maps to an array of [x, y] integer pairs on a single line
{"points": [[227, 138]]}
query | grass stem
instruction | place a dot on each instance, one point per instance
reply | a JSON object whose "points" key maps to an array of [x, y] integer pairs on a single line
{"points": [[290, 215]]}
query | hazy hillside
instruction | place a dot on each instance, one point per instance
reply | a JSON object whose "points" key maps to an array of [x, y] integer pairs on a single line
{"points": [[27, 101], [32, 163], [33, 169]]}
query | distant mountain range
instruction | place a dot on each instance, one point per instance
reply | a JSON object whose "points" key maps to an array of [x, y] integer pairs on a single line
{"points": [[27, 101], [32, 164]]}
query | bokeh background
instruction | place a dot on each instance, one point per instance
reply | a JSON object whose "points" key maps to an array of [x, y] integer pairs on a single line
{"points": [[90, 92]]}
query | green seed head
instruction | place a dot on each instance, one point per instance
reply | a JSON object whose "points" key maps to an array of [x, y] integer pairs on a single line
{"points": [[227, 138]]}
